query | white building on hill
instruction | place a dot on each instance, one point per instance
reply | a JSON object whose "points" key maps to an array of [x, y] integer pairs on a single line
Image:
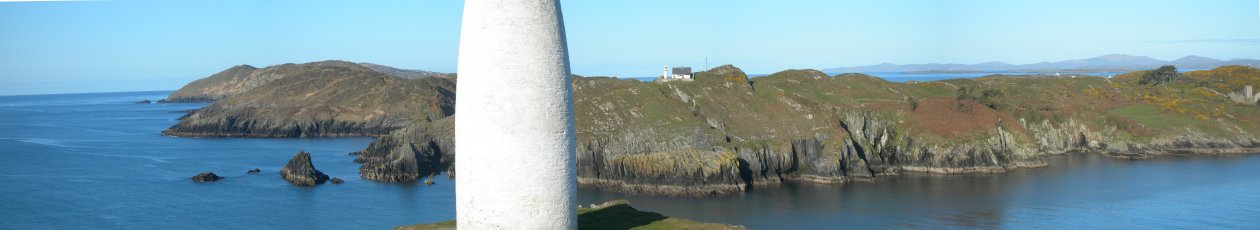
{"points": [[679, 73]]}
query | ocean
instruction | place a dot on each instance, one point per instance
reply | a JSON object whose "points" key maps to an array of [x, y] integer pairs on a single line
{"points": [[74, 161]]}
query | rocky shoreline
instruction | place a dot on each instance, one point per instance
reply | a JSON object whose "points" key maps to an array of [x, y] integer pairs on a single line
{"points": [[726, 132]]}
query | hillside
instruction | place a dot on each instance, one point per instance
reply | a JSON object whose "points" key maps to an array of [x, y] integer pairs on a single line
{"points": [[241, 78], [726, 132], [403, 73], [320, 101], [1112, 62]]}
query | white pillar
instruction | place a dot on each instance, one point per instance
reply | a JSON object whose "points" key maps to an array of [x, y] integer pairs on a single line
{"points": [[664, 72], [514, 138]]}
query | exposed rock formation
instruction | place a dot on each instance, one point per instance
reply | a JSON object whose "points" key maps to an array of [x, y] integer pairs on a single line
{"points": [[1247, 96], [299, 171], [725, 132], [323, 101], [336, 180], [414, 152], [206, 177], [146, 101], [254, 171], [684, 172]]}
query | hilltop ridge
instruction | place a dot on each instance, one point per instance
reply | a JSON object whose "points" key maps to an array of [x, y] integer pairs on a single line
{"points": [[241, 78], [1110, 62]]}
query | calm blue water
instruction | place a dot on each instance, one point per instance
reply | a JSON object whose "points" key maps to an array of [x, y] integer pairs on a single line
{"points": [[1075, 192], [97, 161]]}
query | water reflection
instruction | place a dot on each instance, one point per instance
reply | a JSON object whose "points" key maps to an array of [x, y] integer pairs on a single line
{"points": [[1076, 183]]}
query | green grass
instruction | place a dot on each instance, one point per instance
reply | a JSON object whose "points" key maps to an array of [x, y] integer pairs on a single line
{"points": [[1152, 118]]}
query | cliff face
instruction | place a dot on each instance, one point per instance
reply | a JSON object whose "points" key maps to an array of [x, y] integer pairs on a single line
{"points": [[411, 153], [724, 132], [323, 101]]}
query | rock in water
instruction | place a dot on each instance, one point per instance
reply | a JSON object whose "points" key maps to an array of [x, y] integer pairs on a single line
{"points": [[301, 172], [337, 180], [254, 171], [206, 177], [144, 102]]}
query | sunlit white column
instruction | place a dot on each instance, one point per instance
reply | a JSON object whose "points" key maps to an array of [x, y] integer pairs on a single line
{"points": [[514, 138]]}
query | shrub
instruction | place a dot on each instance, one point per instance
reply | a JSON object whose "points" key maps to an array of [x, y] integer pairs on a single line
{"points": [[1164, 74]]}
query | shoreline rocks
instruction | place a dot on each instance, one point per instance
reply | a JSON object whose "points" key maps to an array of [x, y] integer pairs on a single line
{"points": [[725, 133], [410, 153], [206, 177], [336, 181], [299, 171]]}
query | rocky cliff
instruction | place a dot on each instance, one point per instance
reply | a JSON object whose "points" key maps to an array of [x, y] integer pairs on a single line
{"points": [[241, 78], [725, 132], [323, 101], [408, 154]]}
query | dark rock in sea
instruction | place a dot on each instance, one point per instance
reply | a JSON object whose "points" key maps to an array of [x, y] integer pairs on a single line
{"points": [[299, 171], [206, 177], [254, 171], [337, 180], [144, 102], [725, 132]]}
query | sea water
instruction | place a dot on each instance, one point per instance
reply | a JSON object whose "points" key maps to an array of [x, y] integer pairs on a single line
{"points": [[76, 161]]}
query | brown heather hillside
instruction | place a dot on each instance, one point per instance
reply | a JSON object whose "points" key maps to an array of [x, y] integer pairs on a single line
{"points": [[725, 132], [321, 101], [241, 78]]}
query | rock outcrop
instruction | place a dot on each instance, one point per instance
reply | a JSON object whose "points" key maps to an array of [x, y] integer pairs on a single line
{"points": [[411, 153], [1246, 96], [725, 132], [336, 181], [323, 101], [206, 177], [299, 171], [254, 171]]}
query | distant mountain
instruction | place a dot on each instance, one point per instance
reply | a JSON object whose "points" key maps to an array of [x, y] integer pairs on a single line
{"points": [[1195, 60], [1112, 62]]}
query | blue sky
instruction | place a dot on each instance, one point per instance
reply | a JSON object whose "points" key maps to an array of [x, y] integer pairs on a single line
{"points": [[105, 46]]}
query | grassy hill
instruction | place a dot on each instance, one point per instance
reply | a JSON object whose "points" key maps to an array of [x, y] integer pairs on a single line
{"points": [[725, 131]]}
